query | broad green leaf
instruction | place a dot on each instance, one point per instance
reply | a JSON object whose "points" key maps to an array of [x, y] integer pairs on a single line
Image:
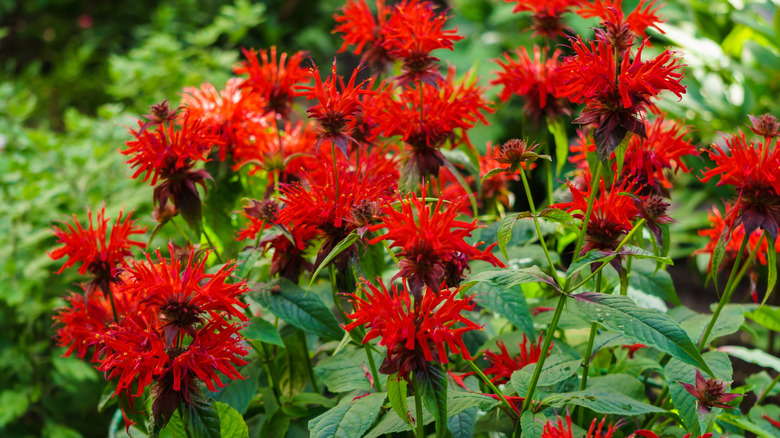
{"points": [[491, 172], [338, 249], [291, 369], [645, 277], [729, 321], [532, 424], [639, 253], [512, 277], [201, 418], [557, 215], [677, 371], [767, 316], [557, 129], [461, 425], [231, 423], [756, 417], [457, 402], [756, 356], [745, 424], [262, 330], [175, 426], [239, 393], [507, 302], [622, 383], [247, 260], [557, 368], [591, 257], [396, 393], [352, 417], [649, 327], [604, 401], [760, 382], [505, 232], [347, 371], [294, 306], [312, 399], [433, 385], [276, 425], [13, 404]]}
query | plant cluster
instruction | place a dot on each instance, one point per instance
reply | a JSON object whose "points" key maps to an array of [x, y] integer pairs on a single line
{"points": [[433, 316]]}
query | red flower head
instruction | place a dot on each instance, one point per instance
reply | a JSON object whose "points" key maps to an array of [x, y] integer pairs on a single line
{"points": [[274, 81], [596, 430], [363, 30], [532, 79], [414, 333], [261, 215], [289, 255], [754, 171], [99, 251], [610, 219], [338, 107], [411, 33], [765, 125], [184, 297], [432, 243], [546, 16], [614, 106], [496, 186], [503, 365], [620, 30], [427, 120], [710, 393]]}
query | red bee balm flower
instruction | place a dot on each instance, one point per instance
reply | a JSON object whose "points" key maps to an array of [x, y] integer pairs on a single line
{"points": [[754, 171], [546, 16], [710, 393], [273, 80], [414, 333], [99, 251], [596, 430], [411, 33], [503, 365], [362, 30], [432, 243]]}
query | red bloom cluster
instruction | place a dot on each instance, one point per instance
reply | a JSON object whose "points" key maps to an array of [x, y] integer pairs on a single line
{"points": [[710, 393], [274, 81], [617, 25], [363, 30], [415, 333], [99, 251], [535, 80], [503, 365], [720, 231], [560, 430], [754, 171], [546, 16], [433, 249]]}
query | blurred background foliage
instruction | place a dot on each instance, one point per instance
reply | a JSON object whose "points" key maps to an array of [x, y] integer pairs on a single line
{"points": [[75, 74]]}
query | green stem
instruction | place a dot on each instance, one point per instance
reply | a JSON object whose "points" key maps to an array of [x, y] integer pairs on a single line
{"points": [[270, 370], [595, 186], [659, 402], [334, 291], [180, 230], [624, 276], [589, 349], [768, 389], [372, 366], [622, 243], [548, 166], [536, 224], [214, 247], [490, 385], [545, 348], [726, 297], [418, 406], [309, 368]]}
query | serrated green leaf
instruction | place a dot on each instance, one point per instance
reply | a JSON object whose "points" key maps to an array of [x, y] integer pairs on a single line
{"points": [[433, 385], [603, 401], [352, 417], [650, 327], [294, 306], [756, 356], [239, 393], [591, 257], [557, 368], [532, 424], [347, 371], [396, 393], [231, 423], [262, 330], [461, 425], [201, 418], [686, 404], [504, 234], [645, 277], [767, 316], [730, 320], [338, 249], [509, 303], [175, 426]]}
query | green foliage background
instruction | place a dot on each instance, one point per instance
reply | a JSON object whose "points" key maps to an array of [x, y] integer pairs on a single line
{"points": [[68, 92]]}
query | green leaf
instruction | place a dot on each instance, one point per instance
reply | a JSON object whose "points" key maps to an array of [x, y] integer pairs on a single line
{"points": [[13, 404], [448, 164], [557, 215], [352, 417], [504, 234], [604, 401], [677, 371], [767, 316], [718, 253], [532, 424], [591, 257], [201, 418], [557, 368], [338, 249], [760, 382], [247, 260], [462, 424], [276, 426], [312, 399], [507, 302], [433, 385], [262, 330], [557, 129], [756, 417], [756, 356], [175, 426], [492, 172], [396, 393], [347, 371], [512, 277], [239, 393], [645, 277], [771, 266], [231, 423], [294, 306], [650, 327], [730, 320], [745, 424]]}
